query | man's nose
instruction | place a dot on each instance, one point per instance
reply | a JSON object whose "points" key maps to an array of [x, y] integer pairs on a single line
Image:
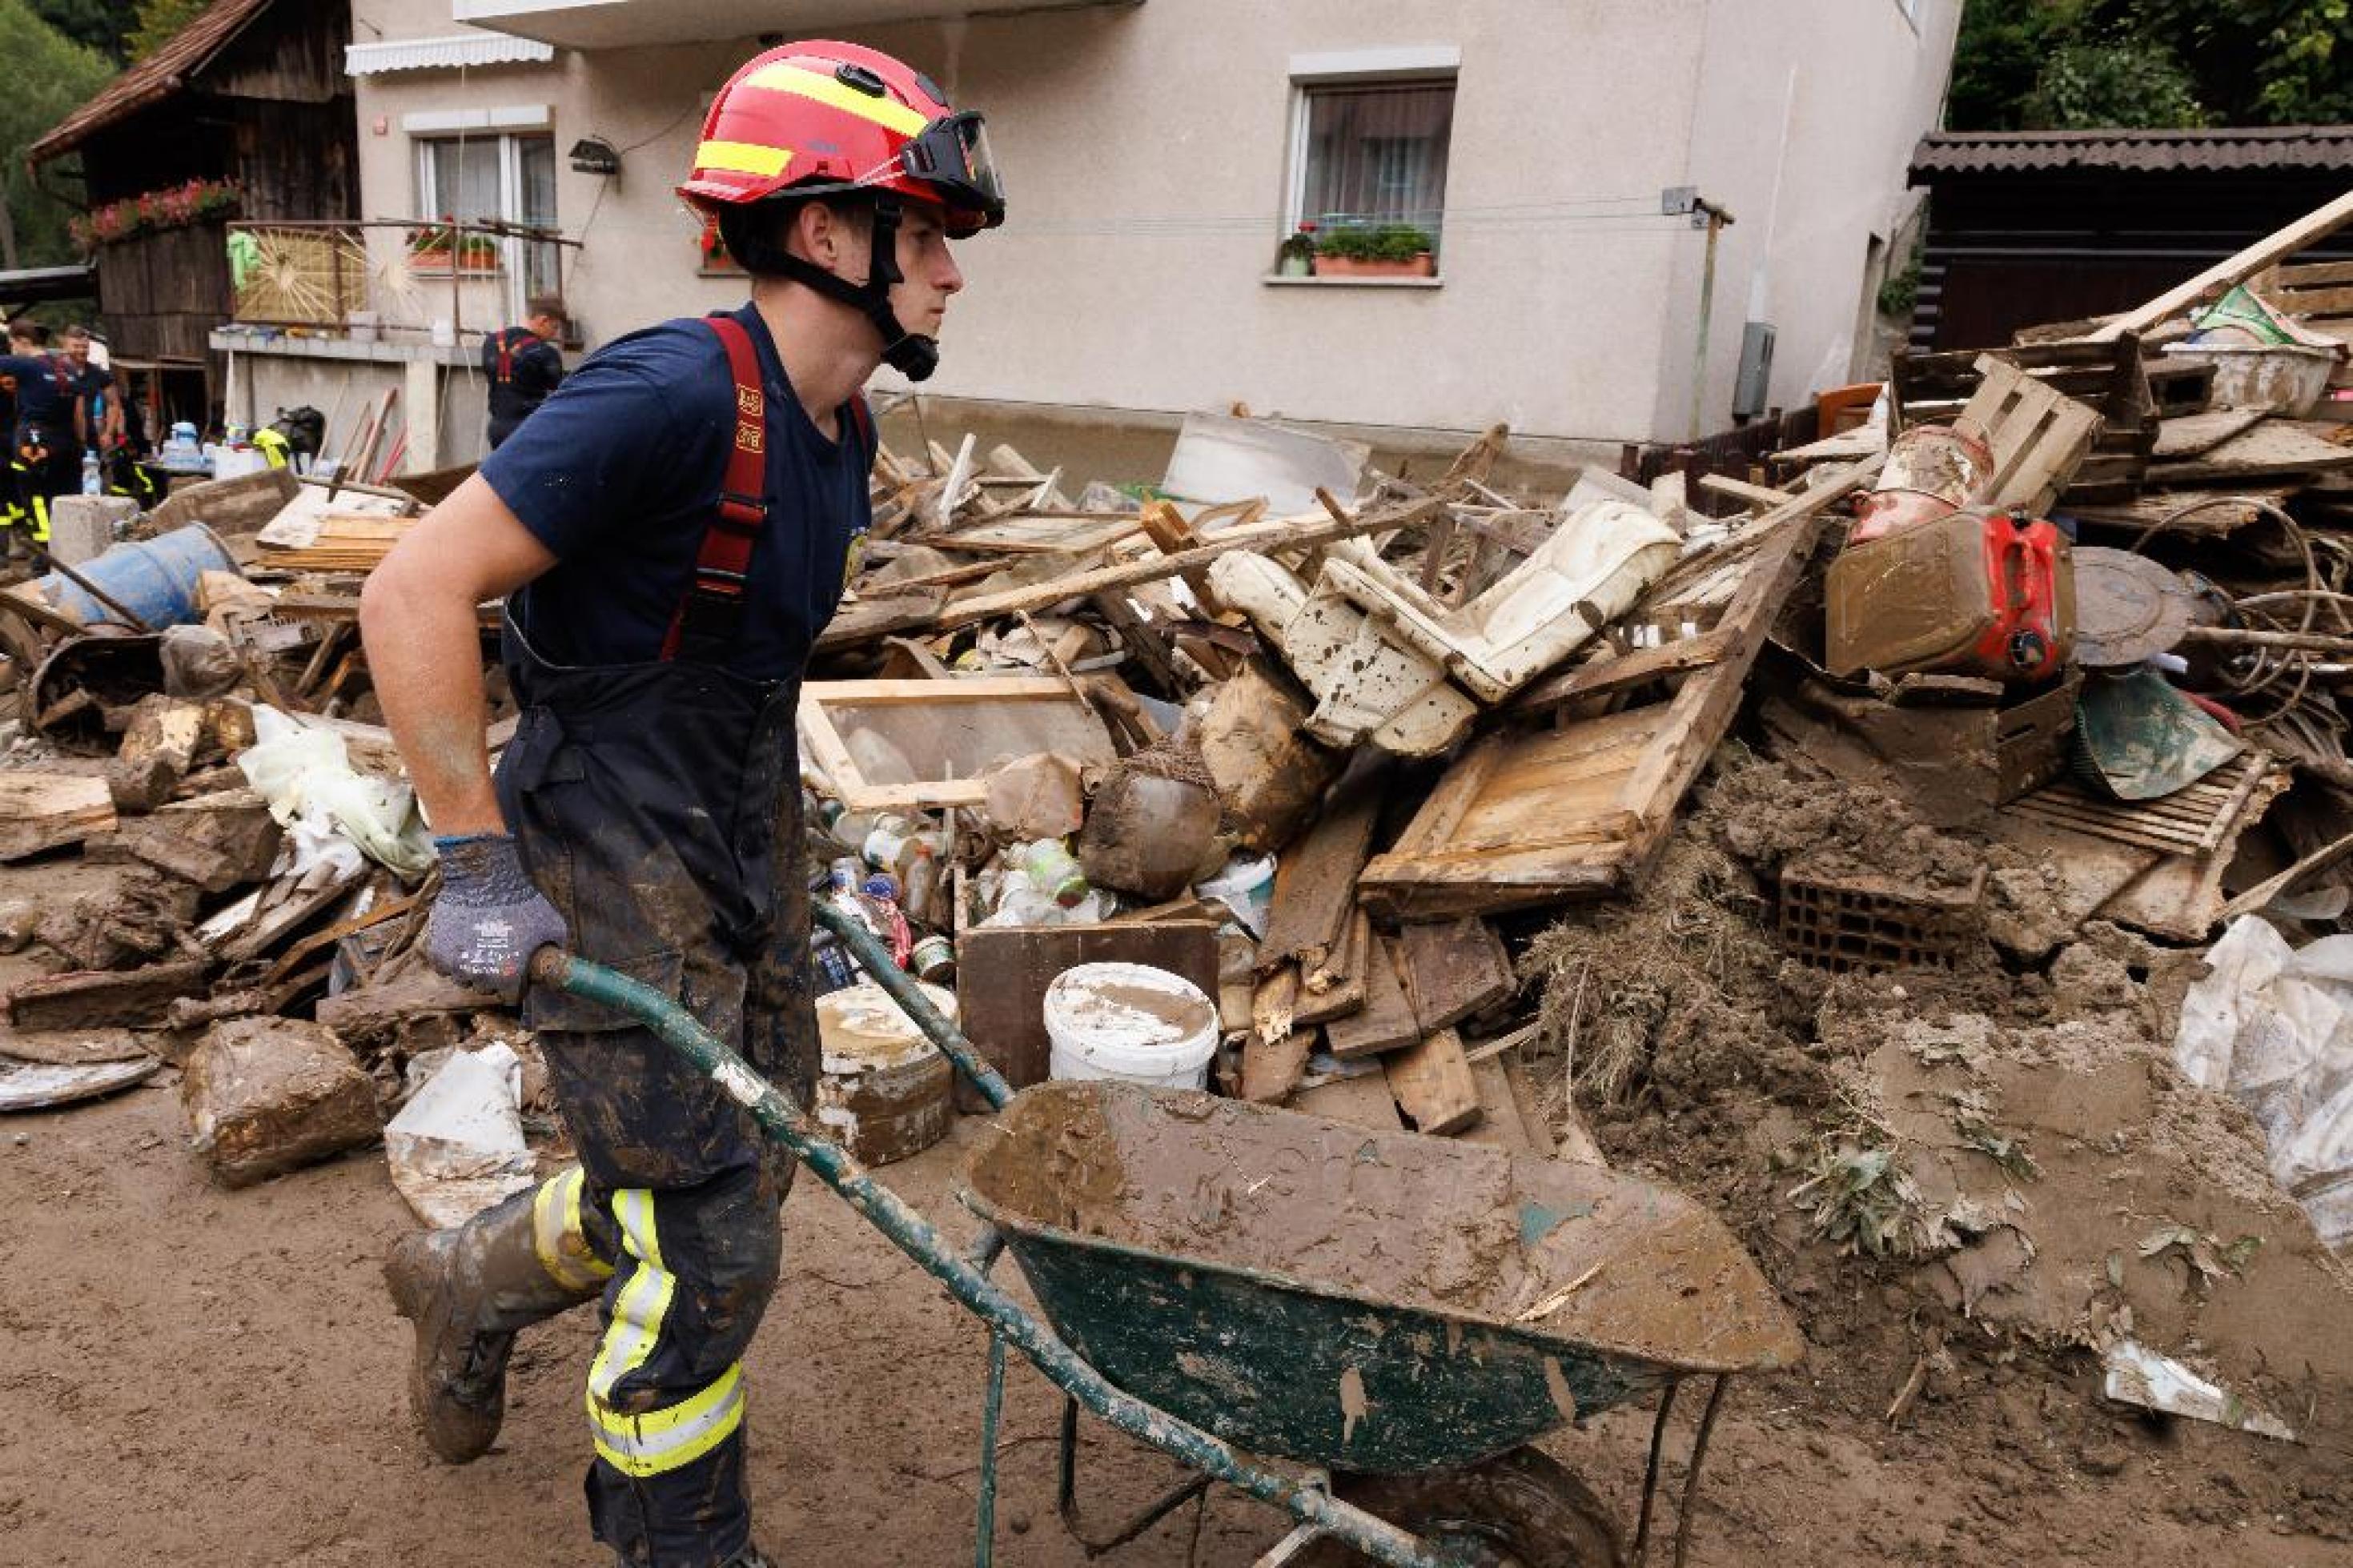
{"points": [[950, 277]]}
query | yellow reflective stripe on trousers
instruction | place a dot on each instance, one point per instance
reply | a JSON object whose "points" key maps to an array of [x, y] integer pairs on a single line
{"points": [[637, 1314], [887, 113], [556, 1234], [668, 1438], [742, 158]]}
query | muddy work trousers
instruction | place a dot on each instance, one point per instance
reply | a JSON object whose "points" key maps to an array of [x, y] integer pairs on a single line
{"points": [[657, 808]]}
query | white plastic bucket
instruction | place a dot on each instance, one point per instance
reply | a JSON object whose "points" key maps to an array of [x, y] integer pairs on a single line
{"points": [[1133, 1022]]}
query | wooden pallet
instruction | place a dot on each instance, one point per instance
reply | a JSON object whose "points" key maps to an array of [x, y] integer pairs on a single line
{"points": [[1929, 388], [2319, 295], [2191, 821]]}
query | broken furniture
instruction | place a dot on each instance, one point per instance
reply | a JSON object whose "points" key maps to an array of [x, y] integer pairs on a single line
{"points": [[1388, 663]]}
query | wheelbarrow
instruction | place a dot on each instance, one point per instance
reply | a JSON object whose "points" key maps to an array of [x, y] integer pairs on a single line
{"points": [[1362, 1330]]}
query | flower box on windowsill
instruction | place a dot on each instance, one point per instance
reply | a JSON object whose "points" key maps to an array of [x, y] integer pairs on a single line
{"points": [[439, 264], [1419, 266]]}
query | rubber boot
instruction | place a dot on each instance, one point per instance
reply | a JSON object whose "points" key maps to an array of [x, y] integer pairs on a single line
{"points": [[469, 1291]]}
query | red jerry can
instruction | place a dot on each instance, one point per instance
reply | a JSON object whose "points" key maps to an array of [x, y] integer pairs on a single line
{"points": [[1971, 593]]}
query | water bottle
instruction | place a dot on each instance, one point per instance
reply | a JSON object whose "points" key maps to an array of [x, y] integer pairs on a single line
{"points": [[90, 483]]}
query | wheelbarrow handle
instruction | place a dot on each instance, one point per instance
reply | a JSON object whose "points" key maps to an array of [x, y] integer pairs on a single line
{"points": [[875, 958], [554, 967]]}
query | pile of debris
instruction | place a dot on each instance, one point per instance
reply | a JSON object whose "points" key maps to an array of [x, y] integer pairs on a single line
{"points": [[1394, 778]]}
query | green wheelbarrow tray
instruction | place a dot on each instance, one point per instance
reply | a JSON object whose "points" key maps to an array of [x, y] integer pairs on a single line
{"points": [[1375, 1302]]}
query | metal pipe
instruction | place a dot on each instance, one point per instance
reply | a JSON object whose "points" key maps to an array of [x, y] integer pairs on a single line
{"points": [[1715, 222], [786, 1124]]}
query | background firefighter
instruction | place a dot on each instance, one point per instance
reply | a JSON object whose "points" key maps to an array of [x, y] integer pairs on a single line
{"points": [[670, 530]]}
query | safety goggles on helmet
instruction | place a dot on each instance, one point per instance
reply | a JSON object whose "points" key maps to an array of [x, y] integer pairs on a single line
{"points": [[950, 156]]}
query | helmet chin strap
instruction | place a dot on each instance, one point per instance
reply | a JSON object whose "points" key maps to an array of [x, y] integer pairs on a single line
{"points": [[912, 354]]}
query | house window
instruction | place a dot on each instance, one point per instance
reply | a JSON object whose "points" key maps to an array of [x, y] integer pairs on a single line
{"points": [[499, 178], [1371, 155]]}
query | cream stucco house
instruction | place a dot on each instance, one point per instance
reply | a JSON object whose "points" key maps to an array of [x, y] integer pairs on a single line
{"points": [[1157, 153]]}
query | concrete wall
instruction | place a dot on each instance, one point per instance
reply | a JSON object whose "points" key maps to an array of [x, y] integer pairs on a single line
{"points": [[1147, 153], [264, 381], [1806, 114]]}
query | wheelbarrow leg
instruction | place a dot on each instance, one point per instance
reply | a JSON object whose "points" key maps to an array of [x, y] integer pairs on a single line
{"points": [[1690, 1471], [984, 1533], [1066, 1495]]}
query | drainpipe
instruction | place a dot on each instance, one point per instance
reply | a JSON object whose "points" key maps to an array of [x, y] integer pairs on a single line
{"points": [[1674, 202]]}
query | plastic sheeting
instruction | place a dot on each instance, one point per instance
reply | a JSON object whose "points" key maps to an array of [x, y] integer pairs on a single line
{"points": [[2273, 1026], [332, 812]]}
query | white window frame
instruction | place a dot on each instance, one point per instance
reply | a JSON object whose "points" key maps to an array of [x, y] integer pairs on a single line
{"points": [[508, 127], [1353, 68]]}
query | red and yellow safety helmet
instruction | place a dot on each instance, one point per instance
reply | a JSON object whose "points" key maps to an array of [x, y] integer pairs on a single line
{"points": [[821, 116]]}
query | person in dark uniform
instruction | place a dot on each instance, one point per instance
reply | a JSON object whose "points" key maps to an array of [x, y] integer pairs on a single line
{"points": [[16, 513], [669, 532], [523, 365], [45, 453]]}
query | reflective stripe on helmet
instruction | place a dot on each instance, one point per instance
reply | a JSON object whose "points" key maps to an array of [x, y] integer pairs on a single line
{"points": [[741, 158], [670, 1438], [644, 1300], [556, 1234], [887, 113]]}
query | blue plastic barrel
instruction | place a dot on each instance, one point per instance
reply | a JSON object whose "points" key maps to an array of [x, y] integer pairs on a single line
{"points": [[155, 579]]}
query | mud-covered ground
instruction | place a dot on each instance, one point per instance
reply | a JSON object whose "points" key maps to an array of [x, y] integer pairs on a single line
{"points": [[205, 1377]]}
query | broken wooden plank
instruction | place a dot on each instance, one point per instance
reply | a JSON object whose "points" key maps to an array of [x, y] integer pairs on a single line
{"points": [[1315, 880], [42, 811], [275, 921], [1335, 988], [1453, 970], [1274, 1056], [1285, 533], [2192, 434], [1385, 1022], [103, 999], [1359, 1099], [2275, 448], [1432, 1084]]}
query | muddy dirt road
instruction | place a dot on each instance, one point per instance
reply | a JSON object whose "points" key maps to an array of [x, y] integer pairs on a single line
{"points": [[214, 1378]]}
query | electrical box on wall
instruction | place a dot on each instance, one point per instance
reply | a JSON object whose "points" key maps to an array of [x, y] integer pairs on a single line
{"points": [[1751, 387]]}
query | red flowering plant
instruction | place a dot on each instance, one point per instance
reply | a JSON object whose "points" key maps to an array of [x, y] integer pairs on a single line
{"points": [[173, 207]]}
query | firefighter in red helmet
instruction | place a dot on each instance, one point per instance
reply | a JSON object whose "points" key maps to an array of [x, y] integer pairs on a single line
{"points": [[670, 532]]}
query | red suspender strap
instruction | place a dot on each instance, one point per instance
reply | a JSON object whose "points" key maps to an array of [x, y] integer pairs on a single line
{"points": [[506, 358], [714, 600]]}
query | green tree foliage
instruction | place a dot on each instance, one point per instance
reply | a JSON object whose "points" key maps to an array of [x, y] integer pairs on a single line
{"points": [[2083, 85], [158, 20], [50, 76], [2058, 63], [101, 24]]}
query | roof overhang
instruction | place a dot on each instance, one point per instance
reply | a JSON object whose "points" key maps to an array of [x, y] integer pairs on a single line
{"points": [[2231, 148], [617, 24], [452, 52]]}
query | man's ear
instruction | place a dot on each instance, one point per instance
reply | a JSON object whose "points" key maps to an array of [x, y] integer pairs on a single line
{"points": [[816, 232]]}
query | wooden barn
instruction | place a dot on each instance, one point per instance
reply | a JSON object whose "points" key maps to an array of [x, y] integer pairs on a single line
{"points": [[2033, 226], [247, 112]]}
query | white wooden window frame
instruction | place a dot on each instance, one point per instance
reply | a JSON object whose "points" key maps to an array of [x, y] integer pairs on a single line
{"points": [[1352, 67], [503, 128]]}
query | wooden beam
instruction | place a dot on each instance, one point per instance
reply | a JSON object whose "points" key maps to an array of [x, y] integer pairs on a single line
{"points": [[1286, 533], [2273, 247]]}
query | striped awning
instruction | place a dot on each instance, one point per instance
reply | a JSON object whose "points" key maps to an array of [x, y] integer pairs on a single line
{"points": [[447, 53]]}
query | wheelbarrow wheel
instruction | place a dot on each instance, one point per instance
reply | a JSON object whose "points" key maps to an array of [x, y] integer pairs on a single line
{"points": [[1521, 1509]]}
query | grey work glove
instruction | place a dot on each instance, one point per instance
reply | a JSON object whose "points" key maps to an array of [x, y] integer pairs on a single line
{"points": [[488, 920]]}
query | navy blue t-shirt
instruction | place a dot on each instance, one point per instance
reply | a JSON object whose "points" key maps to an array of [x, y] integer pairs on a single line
{"points": [[46, 389], [618, 474]]}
